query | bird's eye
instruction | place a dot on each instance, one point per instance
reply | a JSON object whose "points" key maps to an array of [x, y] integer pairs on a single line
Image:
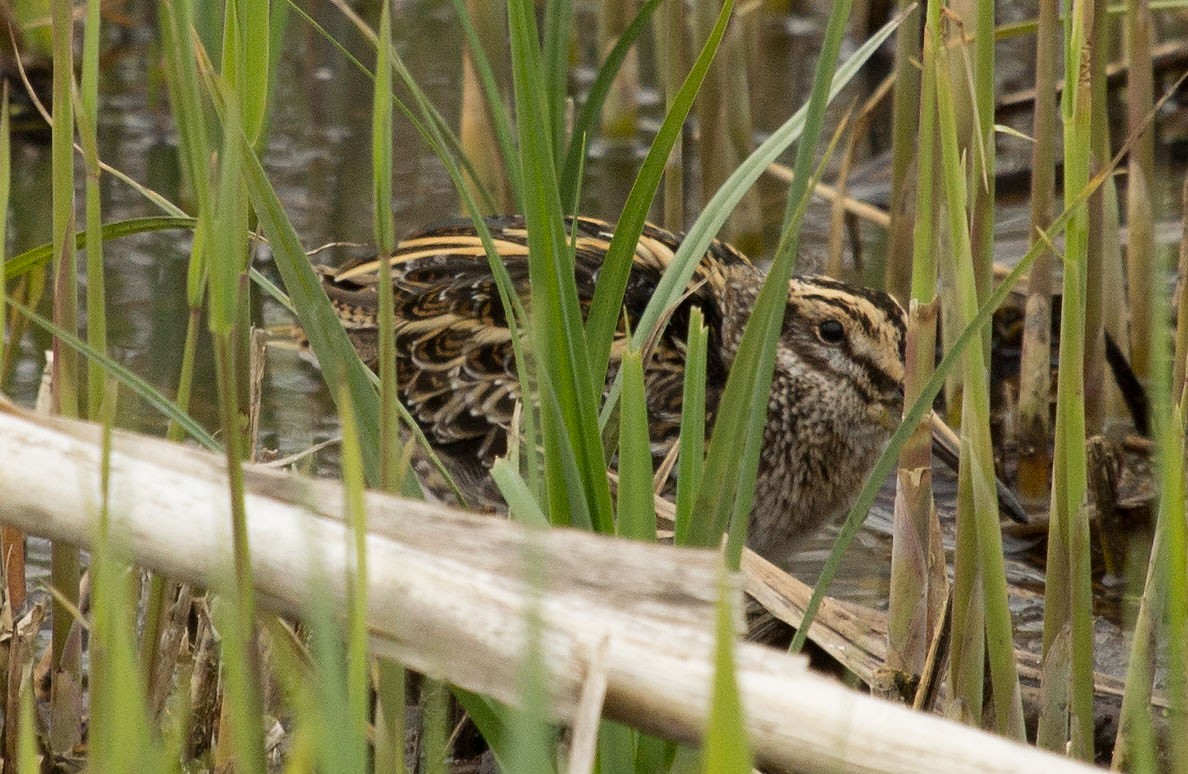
{"points": [[831, 332]]}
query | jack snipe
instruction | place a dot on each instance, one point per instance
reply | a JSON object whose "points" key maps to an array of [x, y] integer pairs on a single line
{"points": [[836, 393]]}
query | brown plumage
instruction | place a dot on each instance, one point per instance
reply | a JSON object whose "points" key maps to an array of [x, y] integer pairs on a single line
{"points": [[836, 392]]}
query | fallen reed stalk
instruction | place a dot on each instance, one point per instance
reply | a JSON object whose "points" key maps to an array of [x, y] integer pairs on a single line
{"points": [[447, 595]]}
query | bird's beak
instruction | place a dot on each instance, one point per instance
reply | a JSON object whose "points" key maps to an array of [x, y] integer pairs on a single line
{"points": [[947, 448]]}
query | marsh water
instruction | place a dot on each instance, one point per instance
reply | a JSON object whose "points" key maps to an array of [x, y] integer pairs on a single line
{"points": [[318, 158]]}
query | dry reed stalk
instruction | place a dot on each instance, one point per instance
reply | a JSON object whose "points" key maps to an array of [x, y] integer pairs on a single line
{"points": [[673, 65], [620, 111], [454, 583], [1035, 379], [476, 131]]}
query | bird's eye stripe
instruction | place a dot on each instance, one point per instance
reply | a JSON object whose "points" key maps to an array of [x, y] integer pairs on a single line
{"points": [[846, 307]]}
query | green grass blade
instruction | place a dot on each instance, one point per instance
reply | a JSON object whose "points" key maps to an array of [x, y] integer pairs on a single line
{"points": [[637, 509], [1067, 605], [567, 390], [390, 690], [29, 756], [126, 377], [977, 508], [381, 139], [226, 225], [606, 307], [122, 738], [692, 455], [247, 64], [28, 260], [185, 97], [726, 750], [5, 187], [522, 505], [530, 743], [350, 748], [88, 123], [65, 265], [558, 19], [1167, 420], [591, 109], [385, 240]]}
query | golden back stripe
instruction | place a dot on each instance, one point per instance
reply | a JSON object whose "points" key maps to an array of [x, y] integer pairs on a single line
{"points": [[372, 267]]}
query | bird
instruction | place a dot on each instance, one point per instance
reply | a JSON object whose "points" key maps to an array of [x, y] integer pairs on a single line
{"points": [[836, 393]]}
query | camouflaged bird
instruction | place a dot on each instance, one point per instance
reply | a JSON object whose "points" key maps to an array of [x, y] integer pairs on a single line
{"points": [[835, 396]]}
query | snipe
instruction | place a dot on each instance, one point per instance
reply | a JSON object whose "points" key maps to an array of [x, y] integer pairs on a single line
{"points": [[836, 392]]}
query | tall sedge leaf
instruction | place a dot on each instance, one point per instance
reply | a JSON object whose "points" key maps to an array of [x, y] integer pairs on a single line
{"points": [[5, 185], [982, 156], [977, 462], [567, 391], [733, 456], [558, 19], [62, 162], [185, 100], [390, 691], [28, 750], [350, 751], [692, 440], [336, 356], [530, 742], [88, 122], [918, 581], [637, 510], [1068, 602], [697, 239], [34, 257], [616, 267], [120, 734], [64, 561], [1168, 420], [1135, 747], [246, 60], [1161, 617], [906, 116], [226, 264], [226, 223], [385, 240], [522, 505], [390, 675], [726, 749]]}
